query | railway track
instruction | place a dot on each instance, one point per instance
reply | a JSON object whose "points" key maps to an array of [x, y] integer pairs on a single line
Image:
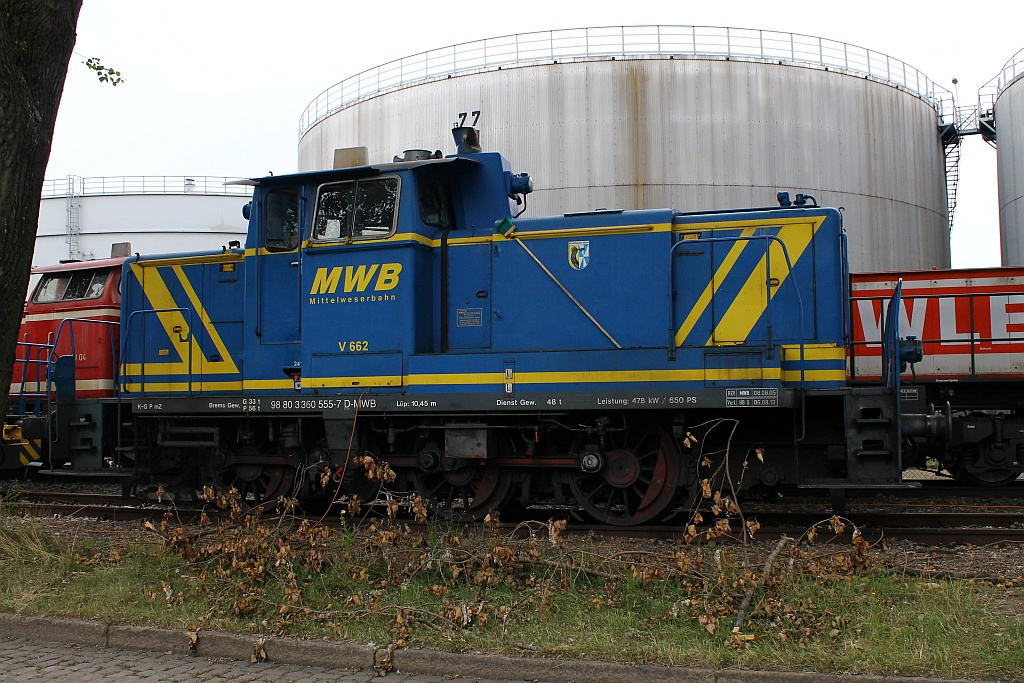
{"points": [[923, 523], [94, 505]]}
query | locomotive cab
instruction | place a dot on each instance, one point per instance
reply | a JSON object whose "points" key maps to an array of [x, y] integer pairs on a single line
{"points": [[347, 283]]}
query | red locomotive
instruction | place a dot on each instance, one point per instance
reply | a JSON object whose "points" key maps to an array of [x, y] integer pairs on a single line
{"points": [[70, 332]]}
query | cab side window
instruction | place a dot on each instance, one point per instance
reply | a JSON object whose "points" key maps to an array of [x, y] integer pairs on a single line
{"points": [[435, 207], [375, 208], [281, 221], [334, 211], [356, 209]]}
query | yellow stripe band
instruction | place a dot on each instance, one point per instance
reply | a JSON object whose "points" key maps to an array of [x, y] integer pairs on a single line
{"points": [[830, 354], [598, 231], [184, 387], [810, 376], [226, 257], [496, 379], [791, 352]]}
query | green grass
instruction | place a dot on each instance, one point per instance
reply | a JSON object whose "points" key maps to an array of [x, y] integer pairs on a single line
{"points": [[532, 600]]}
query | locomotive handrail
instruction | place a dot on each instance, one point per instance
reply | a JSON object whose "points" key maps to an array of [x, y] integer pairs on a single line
{"points": [[625, 42], [142, 365], [40, 364], [844, 246], [891, 340], [891, 359], [768, 278], [512, 235], [70, 323]]}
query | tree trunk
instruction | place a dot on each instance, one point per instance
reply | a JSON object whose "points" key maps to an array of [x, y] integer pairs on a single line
{"points": [[36, 39]]}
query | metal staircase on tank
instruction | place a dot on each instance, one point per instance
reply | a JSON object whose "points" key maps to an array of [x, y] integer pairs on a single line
{"points": [[952, 154], [74, 225], [955, 123]]}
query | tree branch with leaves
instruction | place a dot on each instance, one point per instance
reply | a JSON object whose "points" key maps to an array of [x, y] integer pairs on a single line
{"points": [[105, 74], [36, 41]]}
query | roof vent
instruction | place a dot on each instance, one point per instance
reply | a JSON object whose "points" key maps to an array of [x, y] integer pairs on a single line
{"points": [[119, 249], [417, 155]]}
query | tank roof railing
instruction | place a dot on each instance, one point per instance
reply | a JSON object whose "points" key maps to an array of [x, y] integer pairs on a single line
{"points": [[78, 186], [1011, 71], [626, 42]]}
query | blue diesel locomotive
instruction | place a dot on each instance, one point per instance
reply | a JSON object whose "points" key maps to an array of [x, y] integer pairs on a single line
{"points": [[619, 361]]}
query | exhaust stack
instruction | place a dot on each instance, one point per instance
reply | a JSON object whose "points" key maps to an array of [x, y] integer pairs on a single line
{"points": [[467, 140]]}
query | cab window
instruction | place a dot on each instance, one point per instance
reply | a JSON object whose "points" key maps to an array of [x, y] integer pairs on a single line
{"points": [[51, 288], [83, 284], [435, 208], [281, 225], [334, 211], [356, 209]]}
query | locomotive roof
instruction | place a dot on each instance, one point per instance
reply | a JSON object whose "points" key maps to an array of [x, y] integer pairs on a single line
{"points": [[458, 162], [80, 265]]}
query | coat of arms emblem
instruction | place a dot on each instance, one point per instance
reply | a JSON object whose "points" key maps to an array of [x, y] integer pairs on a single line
{"points": [[579, 254]]}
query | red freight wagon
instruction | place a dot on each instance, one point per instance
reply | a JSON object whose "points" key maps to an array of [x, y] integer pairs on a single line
{"points": [[971, 322], [971, 325]]}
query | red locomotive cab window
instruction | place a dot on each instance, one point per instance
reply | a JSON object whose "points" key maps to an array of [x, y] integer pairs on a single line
{"points": [[74, 286], [80, 287], [51, 288]]}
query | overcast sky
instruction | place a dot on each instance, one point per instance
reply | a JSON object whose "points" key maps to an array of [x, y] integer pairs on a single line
{"points": [[216, 88]]}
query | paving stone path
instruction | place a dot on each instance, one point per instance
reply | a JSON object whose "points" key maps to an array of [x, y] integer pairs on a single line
{"points": [[26, 661]]}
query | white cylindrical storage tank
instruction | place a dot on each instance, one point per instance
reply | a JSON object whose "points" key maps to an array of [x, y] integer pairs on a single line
{"points": [[1009, 116], [693, 118], [80, 218]]}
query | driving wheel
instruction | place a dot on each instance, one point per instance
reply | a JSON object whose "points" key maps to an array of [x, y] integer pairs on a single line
{"points": [[465, 494], [638, 480], [256, 482]]}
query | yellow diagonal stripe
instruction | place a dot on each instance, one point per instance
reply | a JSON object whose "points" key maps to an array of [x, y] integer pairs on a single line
{"points": [[709, 291], [750, 303], [31, 454], [735, 326], [159, 297], [226, 366]]}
